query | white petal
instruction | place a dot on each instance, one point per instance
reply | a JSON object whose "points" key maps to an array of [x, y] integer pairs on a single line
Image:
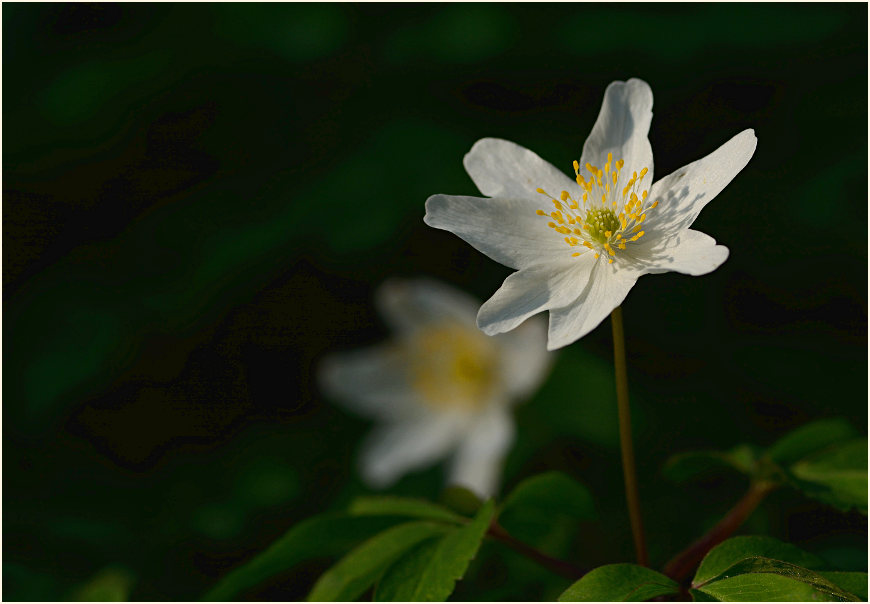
{"points": [[684, 193], [694, 253], [407, 305], [525, 360], [622, 127], [501, 168], [606, 290], [506, 229], [391, 451], [532, 290], [372, 382], [477, 464]]}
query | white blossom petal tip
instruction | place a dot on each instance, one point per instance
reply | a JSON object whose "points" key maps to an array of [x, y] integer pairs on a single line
{"points": [[580, 244], [437, 386]]}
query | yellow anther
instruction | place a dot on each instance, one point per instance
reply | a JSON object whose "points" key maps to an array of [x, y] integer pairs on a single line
{"points": [[643, 173], [563, 230], [541, 191], [635, 229], [639, 235], [609, 157], [645, 193], [557, 204], [591, 168], [642, 217], [576, 166], [564, 196], [610, 261], [575, 254], [596, 255], [655, 203], [615, 175], [587, 244], [574, 241], [608, 234], [578, 232], [552, 225], [621, 246], [568, 241], [585, 196], [607, 168], [541, 213], [586, 227], [619, 164], [571, 220]]}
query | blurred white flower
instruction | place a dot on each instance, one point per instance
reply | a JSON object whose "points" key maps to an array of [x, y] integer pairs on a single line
{"points": [[440, 387], [579, 257]]}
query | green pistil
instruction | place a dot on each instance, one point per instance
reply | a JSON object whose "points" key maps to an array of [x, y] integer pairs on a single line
{"points": [[600, 221]]}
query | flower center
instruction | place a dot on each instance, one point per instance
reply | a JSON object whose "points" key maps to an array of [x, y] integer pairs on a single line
{"points": [[609, 213], [453, 366]]}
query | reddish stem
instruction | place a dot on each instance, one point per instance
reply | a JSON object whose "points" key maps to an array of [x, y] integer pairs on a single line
{"points": [[566, 569], [687, 560]]}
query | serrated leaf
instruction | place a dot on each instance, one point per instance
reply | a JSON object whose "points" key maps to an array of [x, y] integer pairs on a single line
{"points": [[765, 580], [315, 537], [854, 583], [687, 466], [549, 493], [401, 506], [429, 573], [736, 549], [810, 439], [358, 570], [620, 583], [837, 475]]}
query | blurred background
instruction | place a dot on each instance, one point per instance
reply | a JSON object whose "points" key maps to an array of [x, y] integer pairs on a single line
{"points": [[200, 200]]}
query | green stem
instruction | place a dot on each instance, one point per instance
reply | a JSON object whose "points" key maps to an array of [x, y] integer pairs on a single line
{"points": [[628, 470]]}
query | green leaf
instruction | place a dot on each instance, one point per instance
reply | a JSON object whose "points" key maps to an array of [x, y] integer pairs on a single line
{"points": [[810, 439], [548, 493], [401, 506], [461, 500], [766, 580], [544, 511], [837, 475], [326, 535], [688, 466], [736, 549], [700, 596], [359, 569], [620, 583], [854, 583], [429, 573]]}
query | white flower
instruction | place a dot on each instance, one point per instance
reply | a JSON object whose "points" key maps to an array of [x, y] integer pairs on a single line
{"points": [[441, 387], [579, 257]]}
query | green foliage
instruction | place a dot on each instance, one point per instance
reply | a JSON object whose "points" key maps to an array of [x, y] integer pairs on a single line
{"points": [[462, 500], [326, 535], [809, 439], [765, 569], [836, 476], [732, 551], [358, 570], [620, 583], [694, 464], [401, 506], [854, 583], [112, 584], [823, 459], [429, 573], [544, 511]]}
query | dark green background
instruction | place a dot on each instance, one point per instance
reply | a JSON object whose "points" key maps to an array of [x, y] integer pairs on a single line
{"points": [[199, 201]]}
